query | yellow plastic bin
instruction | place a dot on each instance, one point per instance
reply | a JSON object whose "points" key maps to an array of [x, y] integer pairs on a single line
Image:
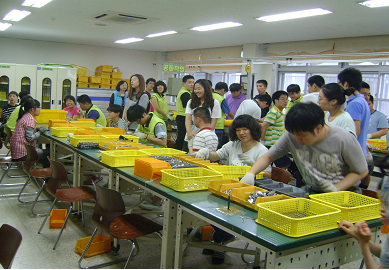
{"points": [[100, 244], [57, 218]]}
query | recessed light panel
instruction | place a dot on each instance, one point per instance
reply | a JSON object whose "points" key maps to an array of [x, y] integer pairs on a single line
{"points": [[35, 3], [294, 15], [16, 15], [215, 26], [375, 3], [162, 34], [4, 26], [128, 40]]}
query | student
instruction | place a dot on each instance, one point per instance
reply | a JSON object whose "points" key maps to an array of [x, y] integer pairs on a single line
{"points": [[250, 107], [378, 124], [331, 99], [235, 98], [182, 99], [365, 90], [150, 84], [91, 111], [71, 109], [221, 89], [329, 158], [120, 96], [7, 110], [261, 88], [264, 102], [273, 125], [350, 79], [315, 83], [25, 133], [158, 100], [151, 128], [115, 117], [200, 97], [206, 137], [362, 232], [244, 147], [294, 93]]}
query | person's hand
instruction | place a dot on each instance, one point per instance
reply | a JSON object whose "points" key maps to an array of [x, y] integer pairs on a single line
{"points": [[140, 135], [42, 129], [170, 117], [79, 113], [348, 228], [369, 136], [327, 186], [249, 178], [203, 153], [246, 159], [363, 232]]}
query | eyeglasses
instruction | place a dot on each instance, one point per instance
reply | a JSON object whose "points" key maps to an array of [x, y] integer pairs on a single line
{"points": [[283, 99]]}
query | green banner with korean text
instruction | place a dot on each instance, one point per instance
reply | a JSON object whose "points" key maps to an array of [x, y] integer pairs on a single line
{"points": [[173, 68]]}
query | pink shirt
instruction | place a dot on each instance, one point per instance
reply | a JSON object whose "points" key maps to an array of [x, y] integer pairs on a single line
{"points": [[71, 113], [18, 138]]}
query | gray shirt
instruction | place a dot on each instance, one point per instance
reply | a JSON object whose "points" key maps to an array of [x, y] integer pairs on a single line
{"points": [[338, 154]]}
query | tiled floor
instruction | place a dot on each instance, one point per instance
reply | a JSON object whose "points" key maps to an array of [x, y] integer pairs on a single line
{"points": [[37, 252]]}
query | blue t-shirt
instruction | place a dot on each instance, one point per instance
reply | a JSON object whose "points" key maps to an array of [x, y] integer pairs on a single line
{"points": [[377, 121], [359, 110]]}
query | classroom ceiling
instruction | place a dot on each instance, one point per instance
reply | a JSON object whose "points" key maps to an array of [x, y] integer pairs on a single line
{"points": [[72, 21]]}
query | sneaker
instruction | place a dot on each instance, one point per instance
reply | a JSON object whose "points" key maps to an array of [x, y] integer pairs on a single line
{"points": [[229, 240], [151, 207], [218, 257]]}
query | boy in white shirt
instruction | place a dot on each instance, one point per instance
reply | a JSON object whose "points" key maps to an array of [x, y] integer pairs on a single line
{"points": [[206, 137]]}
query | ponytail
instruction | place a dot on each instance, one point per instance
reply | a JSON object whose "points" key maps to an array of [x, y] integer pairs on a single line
{"points": [[349, 91], [27, 106]]}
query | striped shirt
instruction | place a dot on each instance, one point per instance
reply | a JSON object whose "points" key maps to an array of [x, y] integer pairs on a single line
{"points": [[276, 119], [7, 110], [205, 138], [121, 123]]}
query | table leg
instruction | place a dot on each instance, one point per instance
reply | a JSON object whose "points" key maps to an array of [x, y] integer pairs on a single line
{"points": [[169, 223]]}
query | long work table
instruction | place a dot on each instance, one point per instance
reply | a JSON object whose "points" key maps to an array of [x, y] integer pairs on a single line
{"points": [[321, 250]]}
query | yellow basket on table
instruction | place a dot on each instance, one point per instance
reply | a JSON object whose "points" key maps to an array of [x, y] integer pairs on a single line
{"points": [[233, 172], [189, 179], [355, 207], [76, 139], [130, 138], [298, 217], [379, 145], [162, 151], [121, 158], [63, 131], [83, 123], [46, 114]]}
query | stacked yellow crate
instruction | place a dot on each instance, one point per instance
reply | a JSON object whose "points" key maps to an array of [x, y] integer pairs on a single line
{"points": [[116, 77], [82, 81], [94, 81], [104, 71]]}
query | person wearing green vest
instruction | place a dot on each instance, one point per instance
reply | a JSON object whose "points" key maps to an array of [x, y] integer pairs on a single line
{"points": [[182, 99], [158, 99], [294, 92], [151, 128], [221, 88], [91, 111]]}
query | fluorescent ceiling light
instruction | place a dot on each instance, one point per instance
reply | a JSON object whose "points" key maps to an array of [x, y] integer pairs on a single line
{"points": [[162, 34], [35, 3], [375, 3], [16, 15], [294, 15], [128, 40], [4, 26], [216, 26]]}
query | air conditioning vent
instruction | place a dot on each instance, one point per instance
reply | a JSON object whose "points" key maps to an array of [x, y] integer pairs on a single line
{"points": [[120, 17]]}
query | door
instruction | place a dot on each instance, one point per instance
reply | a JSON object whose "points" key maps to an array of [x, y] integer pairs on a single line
{"points": [[66, 85], [46, 86], [26, 79]]}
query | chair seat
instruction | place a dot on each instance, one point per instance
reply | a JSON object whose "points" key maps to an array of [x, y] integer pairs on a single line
{"points": [[75, 194], [41, 173], [132, 226], [8, 159]]}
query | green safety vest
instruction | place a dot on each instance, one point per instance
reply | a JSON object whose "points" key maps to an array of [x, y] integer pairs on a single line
{"points": [[220, 121], [13, 118], [150, 129], [162, 103], [101, 120], [180, 107]]}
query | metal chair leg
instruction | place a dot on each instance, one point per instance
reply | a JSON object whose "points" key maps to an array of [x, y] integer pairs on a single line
{"points": [[63, 226], [38, 193], [47, 215], [86, 249], [36, 200], [129, 256]]}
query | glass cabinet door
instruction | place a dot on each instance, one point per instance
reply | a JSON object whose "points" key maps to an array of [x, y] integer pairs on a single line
{"points": [[26, 84], [46, 93], [66, 90], [4, 90]]}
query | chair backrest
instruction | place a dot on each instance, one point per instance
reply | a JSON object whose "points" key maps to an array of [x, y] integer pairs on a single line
{"points": [[32, 158], [280, 175], [109, 205], [10, 239], [57, 178], [369, 193]]}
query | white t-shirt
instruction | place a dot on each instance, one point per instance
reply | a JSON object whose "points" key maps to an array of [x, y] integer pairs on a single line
{"points": [[343, 121], [215, 113], [205, 138], [311, 97], [233, 149], [249, 107]]}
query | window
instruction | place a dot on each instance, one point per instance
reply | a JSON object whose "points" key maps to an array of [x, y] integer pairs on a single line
{"points": [[373, 80], [288, 78]]}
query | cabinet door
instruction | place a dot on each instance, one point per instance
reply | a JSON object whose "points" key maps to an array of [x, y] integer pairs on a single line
{"points": [[46, 87], [66, 85]]}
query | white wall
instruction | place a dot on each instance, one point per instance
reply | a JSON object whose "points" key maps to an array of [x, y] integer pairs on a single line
{"points": [[32, 52]]}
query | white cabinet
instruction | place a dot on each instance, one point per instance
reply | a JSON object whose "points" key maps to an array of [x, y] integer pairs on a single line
{"points": [[25, 78]]}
